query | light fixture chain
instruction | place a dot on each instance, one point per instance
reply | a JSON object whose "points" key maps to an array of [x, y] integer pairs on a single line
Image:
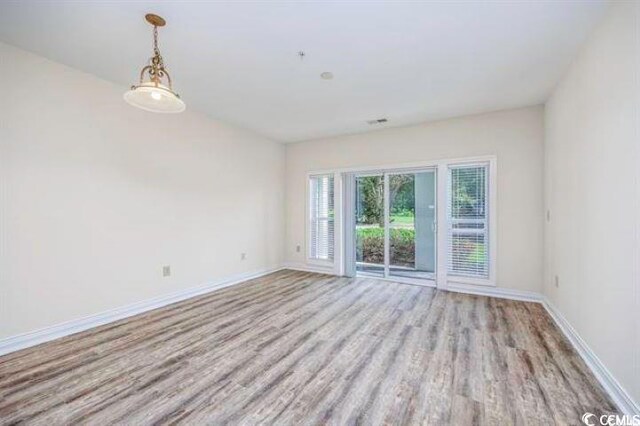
{"points": [[155, 40], [157, 71]]}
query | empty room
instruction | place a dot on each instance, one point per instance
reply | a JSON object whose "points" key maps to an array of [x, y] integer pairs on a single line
{"points": [[320, 212]]}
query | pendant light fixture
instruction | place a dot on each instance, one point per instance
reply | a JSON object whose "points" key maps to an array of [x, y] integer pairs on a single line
{"points": [[156, 93]]}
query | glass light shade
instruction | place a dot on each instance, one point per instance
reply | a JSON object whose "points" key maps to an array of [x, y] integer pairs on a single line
{"points": [[154, 98]]}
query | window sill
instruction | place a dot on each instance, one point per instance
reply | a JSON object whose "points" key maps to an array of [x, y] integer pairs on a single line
{"points": [[321, 263], [471, 281]]}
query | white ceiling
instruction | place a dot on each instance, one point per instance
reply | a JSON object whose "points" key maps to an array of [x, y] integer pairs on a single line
{"points": [[238, 61]]}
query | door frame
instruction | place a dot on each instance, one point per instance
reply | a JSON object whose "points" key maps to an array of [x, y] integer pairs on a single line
{"points": [[442, 281], [349, 191]]}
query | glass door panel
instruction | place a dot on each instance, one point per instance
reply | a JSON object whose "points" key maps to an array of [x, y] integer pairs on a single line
{"points": [[395, 224], [412, 237], [369, 221]]}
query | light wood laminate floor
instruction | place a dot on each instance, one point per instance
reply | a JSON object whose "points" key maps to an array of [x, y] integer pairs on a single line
{"points": [[302, 348]]}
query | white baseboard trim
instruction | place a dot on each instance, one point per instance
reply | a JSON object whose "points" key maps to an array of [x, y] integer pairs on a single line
{"points": [[22, 341], [500, 292], [480, 290], [618, 394]]}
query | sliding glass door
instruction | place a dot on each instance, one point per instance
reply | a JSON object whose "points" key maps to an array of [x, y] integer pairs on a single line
{"points": [[395, 228], [369, 224], [412, 214]]}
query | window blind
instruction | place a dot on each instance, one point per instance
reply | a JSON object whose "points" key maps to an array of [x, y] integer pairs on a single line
{"points": [[468, 234], [321, 217]]}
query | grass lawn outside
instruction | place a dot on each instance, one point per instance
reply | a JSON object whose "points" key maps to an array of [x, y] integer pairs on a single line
{"points": [[402, 220], [370, 244]]}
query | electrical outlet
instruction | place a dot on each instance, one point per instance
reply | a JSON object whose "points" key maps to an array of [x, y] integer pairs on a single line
{"points": [[556, 280], [166, 271], [243, 256], [298, 248]]}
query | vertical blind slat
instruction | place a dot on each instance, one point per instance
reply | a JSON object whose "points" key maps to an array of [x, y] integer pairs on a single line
{"points": [[321, 220], [468, 234]]}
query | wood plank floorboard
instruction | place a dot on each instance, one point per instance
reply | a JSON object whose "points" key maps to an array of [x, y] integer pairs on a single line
{"points": [[303, 348]]}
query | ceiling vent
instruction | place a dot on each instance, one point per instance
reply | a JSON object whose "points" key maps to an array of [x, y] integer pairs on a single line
{"points": [[377, 121]]}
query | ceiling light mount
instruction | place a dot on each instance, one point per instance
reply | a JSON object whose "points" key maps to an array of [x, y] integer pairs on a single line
{"points": [[156, 93], [155, 20]]}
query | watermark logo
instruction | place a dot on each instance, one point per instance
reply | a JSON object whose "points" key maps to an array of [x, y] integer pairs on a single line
{"points": [[590, 419]]}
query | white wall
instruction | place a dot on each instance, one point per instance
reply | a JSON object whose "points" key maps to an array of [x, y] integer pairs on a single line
{"points": [[514, 136], [592, 191], [95, 196]]}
